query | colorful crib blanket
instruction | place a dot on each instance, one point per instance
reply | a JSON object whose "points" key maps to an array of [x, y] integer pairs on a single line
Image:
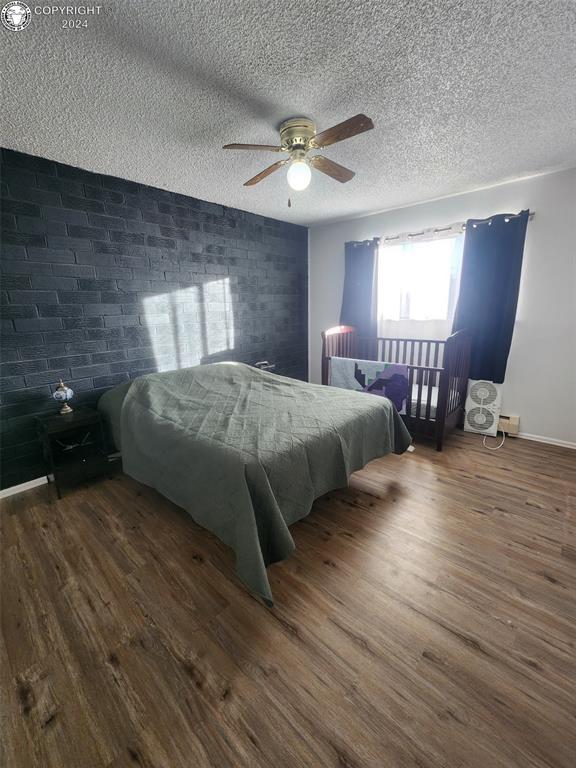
{"points": [[379, 378]]}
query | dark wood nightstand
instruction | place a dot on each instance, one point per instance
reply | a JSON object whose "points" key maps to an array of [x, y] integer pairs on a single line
{"points": [[73, 445]]}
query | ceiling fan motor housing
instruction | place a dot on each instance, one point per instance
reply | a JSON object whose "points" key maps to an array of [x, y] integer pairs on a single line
{"points": [[296, 134]]}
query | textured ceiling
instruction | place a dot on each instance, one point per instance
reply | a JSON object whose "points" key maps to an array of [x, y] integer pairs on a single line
{"points": [[463, 94]]}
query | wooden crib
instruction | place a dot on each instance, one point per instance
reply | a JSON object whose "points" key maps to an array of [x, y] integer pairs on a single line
{"points": [[437, 374]]}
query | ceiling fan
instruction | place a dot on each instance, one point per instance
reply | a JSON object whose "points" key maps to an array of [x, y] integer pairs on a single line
{"points": [[298, 137]]}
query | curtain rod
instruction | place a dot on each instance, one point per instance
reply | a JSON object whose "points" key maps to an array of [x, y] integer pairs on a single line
{"points": [[435, 230]]}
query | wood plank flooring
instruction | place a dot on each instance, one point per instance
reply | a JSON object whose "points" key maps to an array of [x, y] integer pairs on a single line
{"points": [[426, 619]]}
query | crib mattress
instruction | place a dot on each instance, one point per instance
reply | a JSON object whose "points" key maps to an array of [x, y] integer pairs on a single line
{"points": [[411, 407]]}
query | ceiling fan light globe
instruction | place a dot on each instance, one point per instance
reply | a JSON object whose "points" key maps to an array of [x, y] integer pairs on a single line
{"points": [[299, 175]]}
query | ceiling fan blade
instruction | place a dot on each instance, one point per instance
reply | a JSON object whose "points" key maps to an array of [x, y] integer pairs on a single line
{"points": [[261, 147], [330, 168], [265, 172], [351, 127]]}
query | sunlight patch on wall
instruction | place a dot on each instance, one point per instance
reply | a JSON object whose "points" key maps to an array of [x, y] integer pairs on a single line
{"points": [[189, 325]]}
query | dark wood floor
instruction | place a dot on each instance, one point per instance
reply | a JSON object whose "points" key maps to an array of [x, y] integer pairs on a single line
{"points": [[426, 619]]}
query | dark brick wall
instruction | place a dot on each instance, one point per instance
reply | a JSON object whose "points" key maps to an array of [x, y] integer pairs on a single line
{"points": [[104, 280]]}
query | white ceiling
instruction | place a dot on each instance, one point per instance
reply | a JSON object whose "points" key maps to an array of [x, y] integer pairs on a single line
{"points": [[463, 94]]}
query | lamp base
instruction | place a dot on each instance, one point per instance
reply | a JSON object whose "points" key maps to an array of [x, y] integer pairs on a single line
{"points": [[66, 409]]}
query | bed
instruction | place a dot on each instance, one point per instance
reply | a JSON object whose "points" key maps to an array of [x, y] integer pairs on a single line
{"points": [[437, 374], [245, 452]]}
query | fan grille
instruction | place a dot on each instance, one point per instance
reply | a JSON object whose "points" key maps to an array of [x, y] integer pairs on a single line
{"points": [[483, 392], [480, 419]]}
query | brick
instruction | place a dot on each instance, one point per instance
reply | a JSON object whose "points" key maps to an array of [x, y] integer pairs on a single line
{"points": [[20, 369], [20, 208], [116, 321], [128, 187], [47, 377], [157, 218], [127, 237], [20, 340], [79, 297], [106, 222], [77, 174], [65, 336], [141, 203], [132, 262], [83, 322], [90, 370], [42, 351], [102, 309], [175, 210], [74, 270], [142, 227], [8, 222], [110, 381], [15, 282], [20, 160], [33, 297], [124, 211], [69, 243], [97, 285], [82, 204], [20, 396], [109, 248], [86, 346], [67, 361], [38, 324], [116, 297], [17, 238], [99, 259], [90, 233], [177, 233], [113, 273], [104, 195], [24, 268], [60, 310], [37, 196], [12, 251], [18, 176], [113, 356], [18, 310], [47, 281], [9, 355], [36, 226], [51, 255], [133, 285], [99, 334], [67, 215], [56, 184], [160, 242], [9, 383]]}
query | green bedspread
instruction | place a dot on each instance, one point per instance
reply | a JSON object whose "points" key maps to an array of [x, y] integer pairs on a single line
{"points": [[246, 452]]}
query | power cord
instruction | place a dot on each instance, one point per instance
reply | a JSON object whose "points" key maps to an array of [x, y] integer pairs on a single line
{"points": [[494, 447]]}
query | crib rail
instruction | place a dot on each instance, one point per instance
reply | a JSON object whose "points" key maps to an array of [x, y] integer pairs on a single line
{"points": [[420, 352]]}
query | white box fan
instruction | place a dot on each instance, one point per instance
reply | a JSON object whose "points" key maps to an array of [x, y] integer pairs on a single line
{"points": [[483, 405]]}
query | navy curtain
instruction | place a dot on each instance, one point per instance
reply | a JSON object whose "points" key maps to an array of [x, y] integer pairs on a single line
{"points": [[491, 267], [359, 296]]}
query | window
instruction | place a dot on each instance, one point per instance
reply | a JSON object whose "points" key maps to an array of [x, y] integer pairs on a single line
{"points": [[418, 279]]}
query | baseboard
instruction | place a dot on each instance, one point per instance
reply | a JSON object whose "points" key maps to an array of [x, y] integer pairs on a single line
{"points": [[548, 440], [23, 487]]}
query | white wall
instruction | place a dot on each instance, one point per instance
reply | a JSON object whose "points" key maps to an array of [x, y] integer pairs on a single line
{"points": [[540, 381]]}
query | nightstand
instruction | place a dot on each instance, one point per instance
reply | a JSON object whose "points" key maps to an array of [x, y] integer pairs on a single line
{"points": [[73, 445]]}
